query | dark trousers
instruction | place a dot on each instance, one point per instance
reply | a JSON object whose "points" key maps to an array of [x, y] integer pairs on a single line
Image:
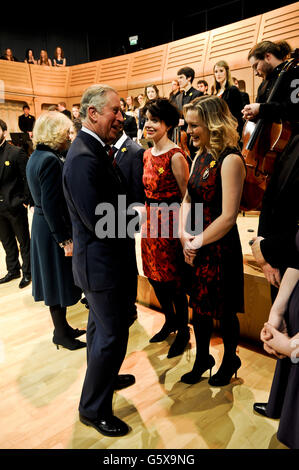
{"points": [[107, 338], [14, 225]]}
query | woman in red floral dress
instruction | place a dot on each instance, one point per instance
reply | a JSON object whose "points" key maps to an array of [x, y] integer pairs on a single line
{"points": [[165, 180], [214, 253]]}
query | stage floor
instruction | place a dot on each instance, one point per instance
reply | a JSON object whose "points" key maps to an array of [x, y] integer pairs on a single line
{"points": [[40, 387]]}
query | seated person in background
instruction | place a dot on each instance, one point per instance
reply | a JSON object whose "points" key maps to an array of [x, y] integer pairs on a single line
{"points": [[203, 86], [61, 107], [29, 57], [241, 85], [8, 55], [59, 59], [26, 121], [75, 112], [44, 59]]}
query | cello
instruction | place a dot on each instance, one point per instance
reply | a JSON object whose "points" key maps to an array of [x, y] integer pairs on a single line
{"points": [[262, 142]]}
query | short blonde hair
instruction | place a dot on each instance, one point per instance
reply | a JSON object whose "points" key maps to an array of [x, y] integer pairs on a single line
{"points": [[214, 113], [51, 129]]}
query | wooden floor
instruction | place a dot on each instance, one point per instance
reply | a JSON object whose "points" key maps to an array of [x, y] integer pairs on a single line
{"points": [[40, 388]]}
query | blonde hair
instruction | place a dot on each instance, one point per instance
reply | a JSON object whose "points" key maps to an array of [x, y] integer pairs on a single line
{"points": [[229, 81], [51, 129], [214, 113]]}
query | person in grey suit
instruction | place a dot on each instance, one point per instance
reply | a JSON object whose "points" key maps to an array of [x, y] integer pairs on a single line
{"points": [[92, 184], [128, 155]]}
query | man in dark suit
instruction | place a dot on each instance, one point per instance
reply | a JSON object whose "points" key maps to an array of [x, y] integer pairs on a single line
{"points": [[26, 121], [14, 199], [275, 247], [129, 158], [92, 187]]}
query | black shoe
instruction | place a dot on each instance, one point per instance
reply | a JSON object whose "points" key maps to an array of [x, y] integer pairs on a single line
{"points": [[68, 343], [198, 369], [9, 277], [180, 343], [111, 426], [75, 333], [124, 381], [260, 408], [163, 333], [25, 281], [225, 372]]}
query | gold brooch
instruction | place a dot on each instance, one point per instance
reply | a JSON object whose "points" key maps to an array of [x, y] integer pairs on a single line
{"points": [[213, 163], [161, 170], [124, 149], [7, 163]]}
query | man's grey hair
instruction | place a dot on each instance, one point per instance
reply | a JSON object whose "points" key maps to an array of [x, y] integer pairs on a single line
{"points": [[95, 95]]}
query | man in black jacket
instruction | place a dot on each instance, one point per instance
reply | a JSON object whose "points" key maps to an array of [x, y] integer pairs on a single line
{"points": [[275, 248], [14, 199]]}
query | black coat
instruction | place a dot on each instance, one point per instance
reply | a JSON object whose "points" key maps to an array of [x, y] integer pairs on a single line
{"points": [[89, 179], [279, 216], [52, 278], [14, 189], [232, 96]]}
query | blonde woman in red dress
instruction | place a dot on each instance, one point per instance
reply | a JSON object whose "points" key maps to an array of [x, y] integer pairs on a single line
{"points": [[165, 180]]}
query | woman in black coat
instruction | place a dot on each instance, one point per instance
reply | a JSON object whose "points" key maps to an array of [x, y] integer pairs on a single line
{"points": [[225, 89], [51, 235]]}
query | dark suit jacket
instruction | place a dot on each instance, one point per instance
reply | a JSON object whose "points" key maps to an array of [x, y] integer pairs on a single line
{"points": [[130, 161], [89, 179], [26, 123], [14, 189], [233, 98]]}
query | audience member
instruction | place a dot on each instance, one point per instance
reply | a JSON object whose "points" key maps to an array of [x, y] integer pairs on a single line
{"points": [[8, 55], [44, 59], [225, 89], [75, 112], [26, 121], [203, 86], [61, 107], [131, 110], [14, 200], [241, 85], [214, 253], [165, 179], [29, 57], [51, 231], [59, 59], [175, 91], [151, 92]]}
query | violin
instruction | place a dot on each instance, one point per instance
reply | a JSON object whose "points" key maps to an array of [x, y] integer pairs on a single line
{"points": [[262, 142]]}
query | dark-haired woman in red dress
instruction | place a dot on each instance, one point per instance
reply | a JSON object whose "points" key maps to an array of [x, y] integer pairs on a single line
{"points": [[214, 252], [165, 180]]}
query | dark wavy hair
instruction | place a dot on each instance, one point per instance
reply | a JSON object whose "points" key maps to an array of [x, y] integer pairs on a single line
{"points": [[280, 50], [164, 110]]}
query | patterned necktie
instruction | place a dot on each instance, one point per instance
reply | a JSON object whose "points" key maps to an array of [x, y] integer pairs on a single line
{"points": [[111, 151]]}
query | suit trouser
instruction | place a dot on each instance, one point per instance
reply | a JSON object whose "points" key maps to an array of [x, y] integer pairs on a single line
{"points": [[107, 338], [14, 224]]}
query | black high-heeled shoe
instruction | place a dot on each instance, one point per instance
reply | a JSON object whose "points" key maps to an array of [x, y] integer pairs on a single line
{"points": [[228, 368], [165, 331], [180, 343], [198, 369], [69, 343]]}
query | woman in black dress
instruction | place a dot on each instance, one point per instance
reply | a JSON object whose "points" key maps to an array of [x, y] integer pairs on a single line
{"points": [[51, 234], [281, 338], [225, 89], [214, 251]]}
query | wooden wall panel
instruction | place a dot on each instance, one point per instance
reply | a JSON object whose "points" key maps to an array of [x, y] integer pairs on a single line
{"points": [[189, 52], [81, 77], [114, 72], [49, 81], [232, 43], [146, 67], [281, 24], [16, 77]]}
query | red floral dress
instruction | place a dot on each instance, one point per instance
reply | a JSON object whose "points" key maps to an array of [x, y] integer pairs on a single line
{"points": [[162, 254], [216, 281]]}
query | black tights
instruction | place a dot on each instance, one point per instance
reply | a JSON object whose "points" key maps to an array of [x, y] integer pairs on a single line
{"points": [[173, 301], [60, 323], [203, 328]]}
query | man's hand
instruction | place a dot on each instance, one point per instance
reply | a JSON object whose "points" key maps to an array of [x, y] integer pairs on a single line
{"points": [[250, 111], [271, 274], [68, 250]]}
